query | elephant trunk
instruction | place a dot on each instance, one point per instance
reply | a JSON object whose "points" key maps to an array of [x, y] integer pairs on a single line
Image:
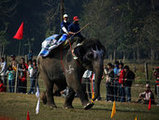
{"points": [[98, 70]]}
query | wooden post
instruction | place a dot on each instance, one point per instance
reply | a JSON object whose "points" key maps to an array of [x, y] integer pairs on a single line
{"points": [[61, 10], [16, 79], [146, 71]]}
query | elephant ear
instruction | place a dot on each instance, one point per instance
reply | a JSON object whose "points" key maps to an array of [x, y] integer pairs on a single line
{"points": [[79, 52]]}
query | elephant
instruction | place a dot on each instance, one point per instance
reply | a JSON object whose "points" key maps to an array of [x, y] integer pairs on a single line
{"points": [[61, 69]]}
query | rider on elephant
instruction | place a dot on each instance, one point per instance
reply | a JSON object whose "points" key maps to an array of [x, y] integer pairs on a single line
{"points": [[64, 25], [64, 28], [74, 29]]}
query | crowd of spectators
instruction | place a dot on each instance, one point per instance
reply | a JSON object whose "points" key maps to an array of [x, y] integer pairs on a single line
{"points": [[119, 80], [16, 74]]}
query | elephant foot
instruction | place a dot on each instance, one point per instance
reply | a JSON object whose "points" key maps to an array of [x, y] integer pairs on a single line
{"points": [[68, 107], [88, 106], [52, 106], [43, 97]]}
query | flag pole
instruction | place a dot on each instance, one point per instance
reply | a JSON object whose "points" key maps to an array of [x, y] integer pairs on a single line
{"points": [[19, 48]]}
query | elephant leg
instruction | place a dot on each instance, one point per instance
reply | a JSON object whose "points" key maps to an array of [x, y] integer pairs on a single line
{"points": [[69, 98], [49, 92], [43, 97], [82, 95]]}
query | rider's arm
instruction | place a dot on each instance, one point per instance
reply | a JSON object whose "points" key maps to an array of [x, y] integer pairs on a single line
{"points": [[72, 33], [65, 30], [70, 29]]}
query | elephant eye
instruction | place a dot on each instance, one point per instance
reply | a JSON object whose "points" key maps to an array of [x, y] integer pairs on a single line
{"points": [[90, 55]]}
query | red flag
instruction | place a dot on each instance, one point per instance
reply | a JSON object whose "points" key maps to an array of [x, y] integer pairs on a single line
{"points": [[149, 107], [19, 34], [28, 117]]}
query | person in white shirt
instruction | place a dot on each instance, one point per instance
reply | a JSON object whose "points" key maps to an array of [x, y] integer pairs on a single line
{"points": [[32, 80], [3, 68], [86, 81]]}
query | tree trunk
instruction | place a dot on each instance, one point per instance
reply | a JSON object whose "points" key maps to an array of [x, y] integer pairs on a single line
{"points": [[138, 53], [152, 5], [156, 55], [114, 54], [152, 55], [110, 57], [146, 72], [134, 55], [3, 50], [0, 50], [61, 9], [124, 56]]}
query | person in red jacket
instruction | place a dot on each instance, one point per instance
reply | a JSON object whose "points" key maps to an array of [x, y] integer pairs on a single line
{"points": [[121, 83], [1, 86]]}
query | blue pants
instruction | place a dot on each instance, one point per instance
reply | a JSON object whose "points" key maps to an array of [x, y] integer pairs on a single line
{"points": [[11, 85], [32, 85], [62, 38], [122, 93], [128, 93]]}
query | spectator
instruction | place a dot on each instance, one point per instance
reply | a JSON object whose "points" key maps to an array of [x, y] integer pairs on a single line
{"points": [[30, 55], [31, 76], [86, 82], [13, 62], [116, 81], [1, 86], [109, 82], [3, 68], [129, 78], [35, 68], [156, 74], [145, 96], [11, 78], [22, 86], [121, 83], [22, 61]]}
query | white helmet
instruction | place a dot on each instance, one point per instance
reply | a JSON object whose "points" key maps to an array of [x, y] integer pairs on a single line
{"points": [[65, 16]]}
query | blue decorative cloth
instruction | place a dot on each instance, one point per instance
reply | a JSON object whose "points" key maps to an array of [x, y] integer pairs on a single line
{"points": [[51, 43]]}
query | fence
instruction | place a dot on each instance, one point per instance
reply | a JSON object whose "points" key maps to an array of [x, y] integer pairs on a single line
{"points": [[135, 89]]}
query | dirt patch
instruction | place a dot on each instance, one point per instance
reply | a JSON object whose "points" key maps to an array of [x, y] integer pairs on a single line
{"points": [[6, 118]]}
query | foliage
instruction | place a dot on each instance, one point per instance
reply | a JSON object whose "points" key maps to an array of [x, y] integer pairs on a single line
{"points": [[127, 28], [124, 26]]}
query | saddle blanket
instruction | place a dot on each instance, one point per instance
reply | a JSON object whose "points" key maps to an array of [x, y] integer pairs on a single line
{"points": [[51, 43]]}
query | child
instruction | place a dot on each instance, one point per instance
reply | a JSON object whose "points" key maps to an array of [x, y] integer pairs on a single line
{"points": [[10, 73]]}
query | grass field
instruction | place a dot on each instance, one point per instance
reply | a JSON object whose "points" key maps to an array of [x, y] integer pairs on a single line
{"points": [[15, 106]]}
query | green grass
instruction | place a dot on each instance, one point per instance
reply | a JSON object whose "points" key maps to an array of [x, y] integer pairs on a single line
{"points": [[16, 106]]}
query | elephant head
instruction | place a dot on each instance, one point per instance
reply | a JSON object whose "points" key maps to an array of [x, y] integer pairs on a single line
{"points": [[91, 53]]}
